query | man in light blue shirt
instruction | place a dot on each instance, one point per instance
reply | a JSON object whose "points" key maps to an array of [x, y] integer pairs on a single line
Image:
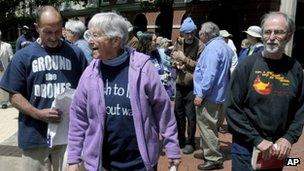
{"points": [[211, 77], [74, 32]]}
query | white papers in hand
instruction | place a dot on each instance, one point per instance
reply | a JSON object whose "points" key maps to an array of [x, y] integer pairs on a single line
{"points": [[57, 133]]}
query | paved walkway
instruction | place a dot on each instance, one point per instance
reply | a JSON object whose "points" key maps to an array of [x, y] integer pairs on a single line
{"points": [[8, 123], [10, 154]]}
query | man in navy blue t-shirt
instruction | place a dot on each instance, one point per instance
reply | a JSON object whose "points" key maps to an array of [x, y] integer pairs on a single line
{"points": [[35, 76]]}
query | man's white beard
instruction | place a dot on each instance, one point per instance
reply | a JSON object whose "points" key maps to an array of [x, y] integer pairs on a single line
{"points": [[188, 41], [272, 48]]}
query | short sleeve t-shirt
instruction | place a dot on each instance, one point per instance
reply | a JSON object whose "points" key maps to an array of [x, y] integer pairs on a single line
{"points": [[41, 74]]}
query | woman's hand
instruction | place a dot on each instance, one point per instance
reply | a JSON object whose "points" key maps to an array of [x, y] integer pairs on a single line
{"points": [[73, 167], [174, 162]]}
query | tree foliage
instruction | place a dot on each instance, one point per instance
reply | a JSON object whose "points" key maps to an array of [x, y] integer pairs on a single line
{"points": [[8, 7], [54, 2]]}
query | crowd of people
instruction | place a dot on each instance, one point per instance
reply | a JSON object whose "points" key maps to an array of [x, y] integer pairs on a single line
{"points": [[136, 93]]}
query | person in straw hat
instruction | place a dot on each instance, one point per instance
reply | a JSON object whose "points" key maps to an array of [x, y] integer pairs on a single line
{"points": [[254, 35], [226, 35]]}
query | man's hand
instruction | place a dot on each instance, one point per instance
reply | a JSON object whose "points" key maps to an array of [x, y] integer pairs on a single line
{"points": [[73, 167], [266, 148], [48, 115], [283, 148], [174, 162], [178, 55], [198, 101]]}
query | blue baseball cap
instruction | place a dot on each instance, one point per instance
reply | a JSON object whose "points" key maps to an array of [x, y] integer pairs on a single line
{"points": [[188, 26]]}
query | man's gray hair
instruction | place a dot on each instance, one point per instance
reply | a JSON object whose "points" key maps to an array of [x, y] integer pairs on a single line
{"points": [[210, 29], [76, 26], [290, 23], [111, 24]]}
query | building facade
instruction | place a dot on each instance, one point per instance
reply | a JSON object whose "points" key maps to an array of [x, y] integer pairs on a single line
{"points": [[165, 16]]}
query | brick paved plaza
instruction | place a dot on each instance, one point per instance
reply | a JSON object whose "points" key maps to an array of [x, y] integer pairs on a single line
{"points": [[10, 154]]}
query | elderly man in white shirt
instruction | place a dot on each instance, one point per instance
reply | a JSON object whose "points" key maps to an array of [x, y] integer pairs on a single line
{"points": [[6, 53], [226, 35]]}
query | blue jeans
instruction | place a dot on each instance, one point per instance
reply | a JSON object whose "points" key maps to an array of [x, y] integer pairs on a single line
{"points": [[241, 162], [241, 156]]}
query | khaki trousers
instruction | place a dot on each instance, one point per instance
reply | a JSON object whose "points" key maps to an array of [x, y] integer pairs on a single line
{"points": [[4, 97], [45, 159], [207, 117]]}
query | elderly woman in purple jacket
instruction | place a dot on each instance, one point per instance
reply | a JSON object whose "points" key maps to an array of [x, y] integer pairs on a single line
{"points": [[120, 106]]}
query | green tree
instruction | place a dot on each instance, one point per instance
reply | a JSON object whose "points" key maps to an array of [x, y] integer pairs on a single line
{"points": [[10, 22], [8, 7], [54, 2]]}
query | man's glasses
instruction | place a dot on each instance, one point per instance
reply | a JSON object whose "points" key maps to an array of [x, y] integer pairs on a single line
{"points": [[92, 36], [277, 33]]}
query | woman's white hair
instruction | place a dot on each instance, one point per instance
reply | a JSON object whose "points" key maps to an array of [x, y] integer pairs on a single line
{"points": [[111, 24], [76, 26]]}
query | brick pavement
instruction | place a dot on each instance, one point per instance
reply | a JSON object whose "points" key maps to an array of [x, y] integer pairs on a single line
{"points": [[10, 154], [189, 163]]}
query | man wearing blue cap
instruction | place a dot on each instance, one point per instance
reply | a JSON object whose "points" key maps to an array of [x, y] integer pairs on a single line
{"points": [[184, 56]]}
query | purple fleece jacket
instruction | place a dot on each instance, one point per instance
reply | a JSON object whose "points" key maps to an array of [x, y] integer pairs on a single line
{"points": [[151, 110]]}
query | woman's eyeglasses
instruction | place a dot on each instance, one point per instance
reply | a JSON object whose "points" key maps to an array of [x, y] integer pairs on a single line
{"points": [[94, 36]]}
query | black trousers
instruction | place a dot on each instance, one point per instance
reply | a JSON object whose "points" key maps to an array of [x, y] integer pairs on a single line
{"points": [[185, 111]]}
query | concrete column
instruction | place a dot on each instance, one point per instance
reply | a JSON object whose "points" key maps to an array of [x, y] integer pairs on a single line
{"points": [[289, 7]]}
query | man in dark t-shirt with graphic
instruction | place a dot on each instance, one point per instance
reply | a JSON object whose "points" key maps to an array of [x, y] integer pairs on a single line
{"points": [[36, 75], [265, 104]]}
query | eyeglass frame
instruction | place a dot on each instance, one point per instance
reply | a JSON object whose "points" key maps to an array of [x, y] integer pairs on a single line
{"points": [[69, 31], [87, 35], [276, 33]]}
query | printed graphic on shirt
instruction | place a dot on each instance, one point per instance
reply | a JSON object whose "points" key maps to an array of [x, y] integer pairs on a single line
{"points": [[263, 83], [261, 87], [117, 91], [52, 86]]}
